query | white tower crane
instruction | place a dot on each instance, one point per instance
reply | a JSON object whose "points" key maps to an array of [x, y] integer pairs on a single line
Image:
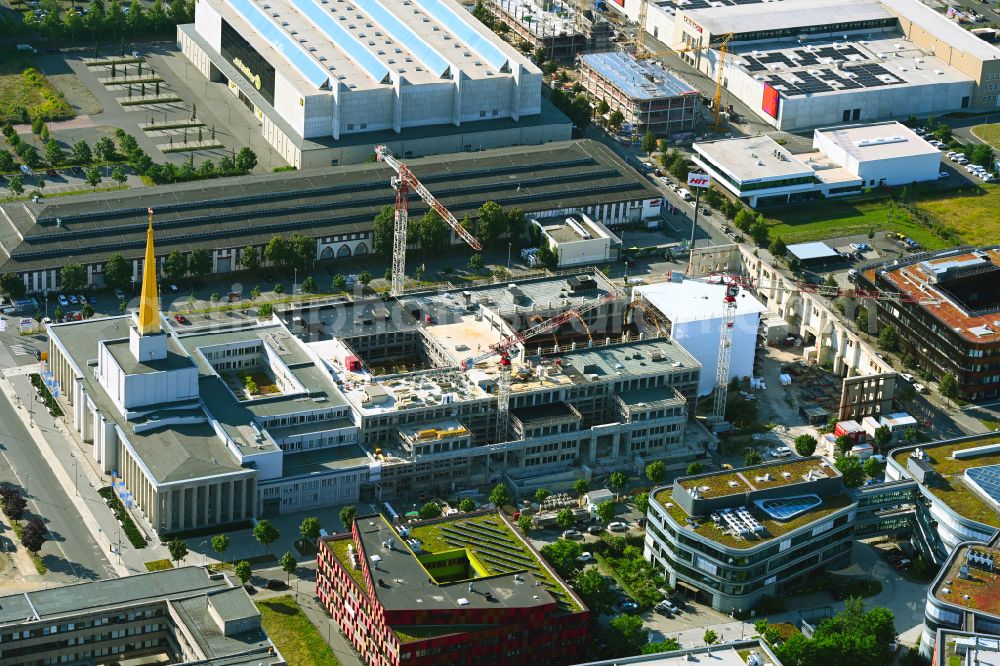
{"points": [[403, 182]]}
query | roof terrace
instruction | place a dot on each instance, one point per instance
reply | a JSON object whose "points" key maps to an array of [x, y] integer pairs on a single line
{"points": [[740, 481], [972, 582]]}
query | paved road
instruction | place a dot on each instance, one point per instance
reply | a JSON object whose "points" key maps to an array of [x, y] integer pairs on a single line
{"points": [[76, 553]]}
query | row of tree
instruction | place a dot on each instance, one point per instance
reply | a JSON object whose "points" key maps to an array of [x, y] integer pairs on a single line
{"points": [[14, 506], [51, 19], [493, 226]]}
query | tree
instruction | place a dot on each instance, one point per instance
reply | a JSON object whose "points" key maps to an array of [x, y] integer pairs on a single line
{"points": [[87, 311], [309, 528], [80, 153], [175, 266], [7, 161], [631, 635], [200, 264], [982, 155], [117, 271], [606, 511], [852, 471], [695, 468], [277, 251], [524, 524], [430, 510], [118, 175], [249, 258], [656, 471], [874, 467], [752, 457], [178, 550], [94, 177], [710, 637], [246, 160], [220, 542], [563, 556], [844, 444], [595, 590], [16, 185], [265, 311], [805, 445], [882, 437], [581, 486], [309, 285], [541, 495], [942, 133], [12, 285], [73, 277], [365, 278], [579, 112], [466, 505], [948, 386], [302, 251], [57, 313], [347, 515], [648, 142], [565, 519], [615, 120], [666, 645], [500, 496], [888, 338], [265, 533], [778, 247], [617, 481], [433, 233], [476, 262], [53, 153], [383, 230], [242, 568], [13, 502], [288, 565], [603, 108], [33, 535], [105, 148], [339, 282], [744, 220], [641, 502]]}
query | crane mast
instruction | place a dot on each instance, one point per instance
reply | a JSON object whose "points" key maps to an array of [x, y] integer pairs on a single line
{"points": [[403, 182], [506, 347]]}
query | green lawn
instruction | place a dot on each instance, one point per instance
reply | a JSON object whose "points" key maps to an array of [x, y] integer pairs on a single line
{"points": [[973, 216], [23, 86], [835, 218], [988, 133], [159, 565], [294, 635]]}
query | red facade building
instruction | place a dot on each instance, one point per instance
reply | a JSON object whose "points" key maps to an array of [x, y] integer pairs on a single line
{"points": [[465, 590]]}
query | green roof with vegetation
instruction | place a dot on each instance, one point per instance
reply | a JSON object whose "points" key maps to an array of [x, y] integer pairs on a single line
{"points": [[472, 533], [740, 481], [950, 486], [339, 549], [772, 528], [982, 587]]}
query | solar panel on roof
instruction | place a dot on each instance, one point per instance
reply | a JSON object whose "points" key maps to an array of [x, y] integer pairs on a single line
{"points": [[786, 508], [986, 480]]}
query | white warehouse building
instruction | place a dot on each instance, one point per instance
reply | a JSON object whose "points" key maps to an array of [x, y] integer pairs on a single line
{"points": [[320, 74], [694, 310]]}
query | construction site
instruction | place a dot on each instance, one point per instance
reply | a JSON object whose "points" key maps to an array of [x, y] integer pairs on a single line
{"points": [[560, 28]]}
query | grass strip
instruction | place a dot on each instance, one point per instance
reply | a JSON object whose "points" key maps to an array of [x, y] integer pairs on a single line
{"points": [[296, 638], [132, 532]]}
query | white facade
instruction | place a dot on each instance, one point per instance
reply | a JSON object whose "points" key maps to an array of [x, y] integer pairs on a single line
{"points": [[694, 310], [577, 239], [884, 154]]}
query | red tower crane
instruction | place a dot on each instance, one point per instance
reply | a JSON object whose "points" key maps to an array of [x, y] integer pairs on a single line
{"points": [[403, 182]]}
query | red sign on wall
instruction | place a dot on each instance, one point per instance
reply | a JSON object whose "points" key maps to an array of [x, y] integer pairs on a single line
{"points": [[771, 101]]}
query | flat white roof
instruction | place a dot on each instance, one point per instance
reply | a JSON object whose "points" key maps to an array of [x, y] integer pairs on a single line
{"points": [[366, 43], [943, 28], [814, 250], [878, 142], [691, 300], [753, 158], [786, 14]]}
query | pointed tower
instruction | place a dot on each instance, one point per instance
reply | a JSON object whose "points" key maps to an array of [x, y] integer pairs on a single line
{"points": [[146, 338]]}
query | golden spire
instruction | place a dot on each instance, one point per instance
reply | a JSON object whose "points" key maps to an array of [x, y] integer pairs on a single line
{"points": [[149, 303]]}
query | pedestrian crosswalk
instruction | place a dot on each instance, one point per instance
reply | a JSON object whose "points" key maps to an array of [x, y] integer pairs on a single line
{"points": [[23, 350]]}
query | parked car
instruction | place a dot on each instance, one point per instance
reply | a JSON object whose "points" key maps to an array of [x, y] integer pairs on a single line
{"points": [[275, 584], [249, 588], [852, 275], [572, 534], [585, 557], [893, 554], [663, 610], [943, 174], [920, 388], [73, 299], [174, 289], [119, 294], [780, 452], [52, 173], [628, 606], [180, 319], [902, 565], [668, 605], [617, 526], [63, 300], [595, 529], [907, 376]]}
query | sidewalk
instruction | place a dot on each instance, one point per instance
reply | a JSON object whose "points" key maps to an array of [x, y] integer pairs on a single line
{"points": [[79, 482]]}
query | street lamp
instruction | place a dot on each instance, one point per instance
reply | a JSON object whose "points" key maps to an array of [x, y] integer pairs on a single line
{"points": [[76, 485], [508, 256]]}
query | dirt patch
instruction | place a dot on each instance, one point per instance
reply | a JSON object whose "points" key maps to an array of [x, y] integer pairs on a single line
{"points": [[76, 93]]}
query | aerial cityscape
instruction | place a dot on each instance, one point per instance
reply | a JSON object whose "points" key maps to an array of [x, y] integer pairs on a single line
{"points": [[464, 332]]}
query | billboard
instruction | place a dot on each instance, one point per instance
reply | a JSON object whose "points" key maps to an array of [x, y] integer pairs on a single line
{"points": [[698, 180], [771, 101], [251, 64]]}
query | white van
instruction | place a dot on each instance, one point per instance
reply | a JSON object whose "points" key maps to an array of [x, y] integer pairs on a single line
{"points": [[684, 194]]}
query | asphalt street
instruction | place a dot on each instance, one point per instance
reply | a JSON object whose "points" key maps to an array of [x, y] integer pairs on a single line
{"points": [[73, 553]]}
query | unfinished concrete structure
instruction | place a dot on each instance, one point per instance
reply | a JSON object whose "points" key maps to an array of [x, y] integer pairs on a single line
{"points": [[558, 27]]}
